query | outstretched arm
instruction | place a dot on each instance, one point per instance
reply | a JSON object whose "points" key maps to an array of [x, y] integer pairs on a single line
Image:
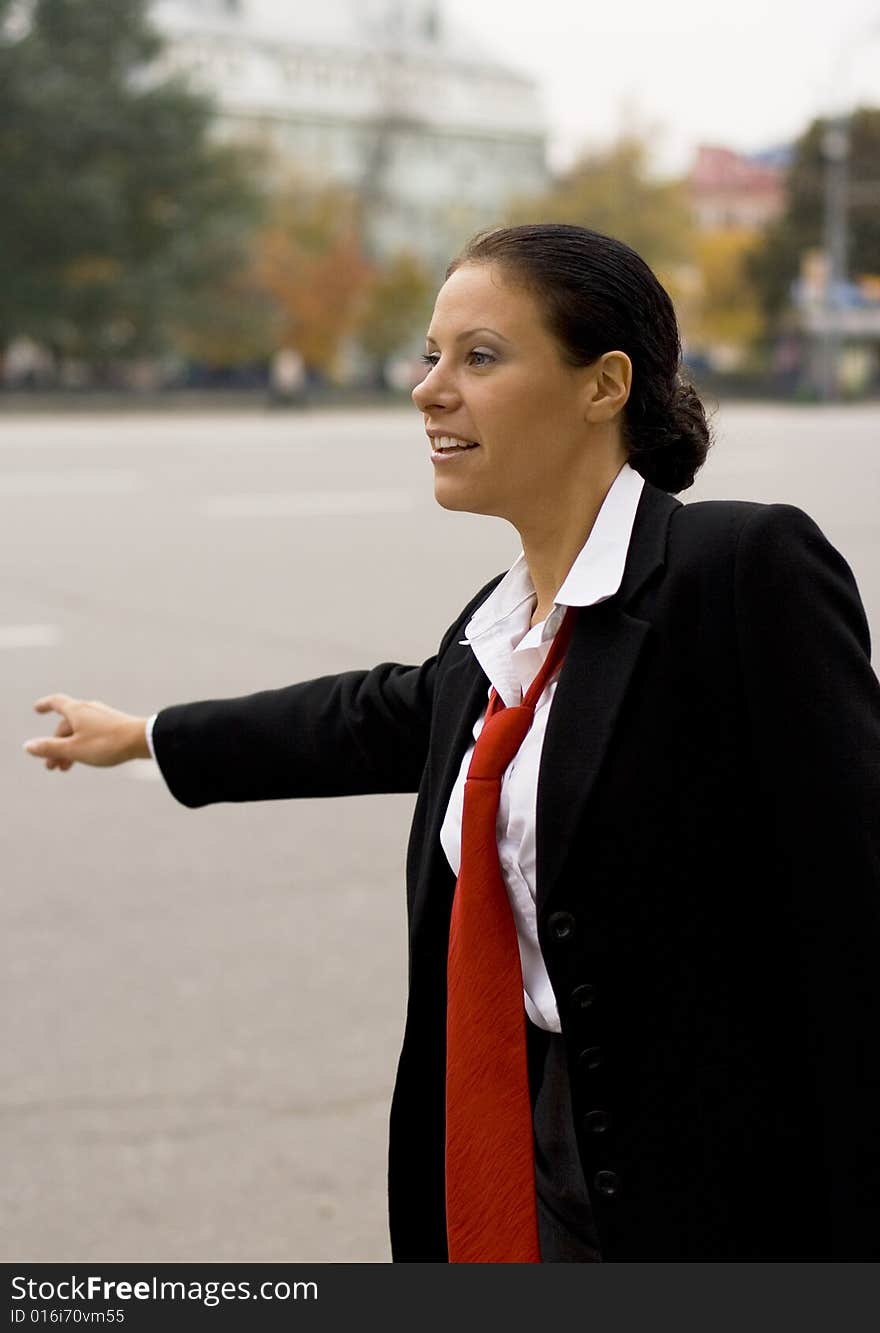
{"points": [[361, 731], [345, 735]]}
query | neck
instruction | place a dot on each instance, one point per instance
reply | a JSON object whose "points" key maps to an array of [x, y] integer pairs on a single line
{"points": [[555, 534]]}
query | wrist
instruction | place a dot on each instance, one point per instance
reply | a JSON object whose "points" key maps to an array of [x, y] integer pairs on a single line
{"points": [[138, 747]]}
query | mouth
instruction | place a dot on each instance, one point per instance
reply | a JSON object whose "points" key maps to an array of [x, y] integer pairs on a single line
{"points": [[450, 446]]}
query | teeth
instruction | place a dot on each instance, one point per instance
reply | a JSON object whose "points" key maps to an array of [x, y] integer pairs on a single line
{"points": [[449, 442]]}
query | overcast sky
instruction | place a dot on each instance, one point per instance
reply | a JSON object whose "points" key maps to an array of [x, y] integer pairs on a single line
{"points": [[748, 73]]}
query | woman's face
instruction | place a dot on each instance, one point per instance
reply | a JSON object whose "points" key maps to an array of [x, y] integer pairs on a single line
{"points": [[497, 378]]}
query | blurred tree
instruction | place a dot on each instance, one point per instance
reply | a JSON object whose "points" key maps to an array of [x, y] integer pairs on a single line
{"points": [[727, 310], [397, 307], [776, 263], [118, 205], [612, 191], [309, 260], [226, 322]]}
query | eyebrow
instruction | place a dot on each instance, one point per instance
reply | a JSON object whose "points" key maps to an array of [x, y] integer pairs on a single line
{"points": [[469, 333]]}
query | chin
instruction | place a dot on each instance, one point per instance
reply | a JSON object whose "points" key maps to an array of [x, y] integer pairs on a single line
{"points": [[460, 503]]}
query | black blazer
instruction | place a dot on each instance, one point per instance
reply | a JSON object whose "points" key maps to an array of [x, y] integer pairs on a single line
{"points": [[708, 882]]}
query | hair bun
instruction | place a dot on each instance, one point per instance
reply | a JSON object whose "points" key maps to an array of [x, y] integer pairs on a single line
{"points": [[670, 443]]}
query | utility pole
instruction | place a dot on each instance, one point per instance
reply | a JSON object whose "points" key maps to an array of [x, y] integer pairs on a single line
{"points": [[835, 149], [838, 197]]}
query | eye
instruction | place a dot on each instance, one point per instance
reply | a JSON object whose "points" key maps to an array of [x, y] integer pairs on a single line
{"points": [[486, 358]]}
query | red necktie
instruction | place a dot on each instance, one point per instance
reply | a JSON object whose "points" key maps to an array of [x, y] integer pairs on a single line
{"points": [[491, 1213]]}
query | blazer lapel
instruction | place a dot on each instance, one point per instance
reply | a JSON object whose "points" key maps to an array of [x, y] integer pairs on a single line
{"points": [[593, 682], [463, 693]]}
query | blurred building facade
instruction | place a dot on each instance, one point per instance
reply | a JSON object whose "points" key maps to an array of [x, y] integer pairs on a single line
{"points": [[381, 96], [734, 197], [730, 191]]}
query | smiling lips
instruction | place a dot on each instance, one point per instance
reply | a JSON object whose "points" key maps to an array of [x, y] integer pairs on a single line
{"points": [[450, 444]]}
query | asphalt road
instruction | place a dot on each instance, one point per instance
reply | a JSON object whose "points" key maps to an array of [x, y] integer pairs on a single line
{"points": [[204, 1008]]}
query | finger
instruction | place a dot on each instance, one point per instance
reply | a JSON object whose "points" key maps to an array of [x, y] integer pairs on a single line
{"points": [[52, 701], [44, 747]]}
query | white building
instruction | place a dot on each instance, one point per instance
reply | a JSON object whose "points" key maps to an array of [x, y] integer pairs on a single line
{"points": [[380, 95]]}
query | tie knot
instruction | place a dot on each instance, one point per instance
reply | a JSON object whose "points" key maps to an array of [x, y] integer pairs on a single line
{"points": [[502, 735]]}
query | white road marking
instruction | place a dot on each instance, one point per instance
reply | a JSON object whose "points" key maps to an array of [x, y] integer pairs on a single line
{"points": [[103, 481], [29, 636], [308, 504]]}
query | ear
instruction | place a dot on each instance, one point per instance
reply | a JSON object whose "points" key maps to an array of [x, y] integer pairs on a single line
{"points": [[609, 387]]}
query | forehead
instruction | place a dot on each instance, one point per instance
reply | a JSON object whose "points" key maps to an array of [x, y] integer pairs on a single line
{"points": [[480, 295]]}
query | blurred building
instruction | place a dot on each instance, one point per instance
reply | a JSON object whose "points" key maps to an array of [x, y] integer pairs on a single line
{"points": [[731, 192], [379, 95]]}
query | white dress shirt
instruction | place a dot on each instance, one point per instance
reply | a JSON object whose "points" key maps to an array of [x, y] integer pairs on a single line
{"points": [[511, 654]]}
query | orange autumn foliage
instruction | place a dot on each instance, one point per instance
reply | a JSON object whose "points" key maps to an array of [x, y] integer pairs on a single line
{"points": [[310, 262]]}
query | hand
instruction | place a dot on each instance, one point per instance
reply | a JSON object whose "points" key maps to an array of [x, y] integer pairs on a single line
{"points": [[88, 733]]}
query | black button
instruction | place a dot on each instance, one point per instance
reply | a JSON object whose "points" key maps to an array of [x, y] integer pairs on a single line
{"points": [[591, 1059], [583, 996], [606, 1183], [561, 926], [596, 1122]]}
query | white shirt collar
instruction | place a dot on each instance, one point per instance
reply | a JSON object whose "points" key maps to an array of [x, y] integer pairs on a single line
{"points": [[501, 628]]}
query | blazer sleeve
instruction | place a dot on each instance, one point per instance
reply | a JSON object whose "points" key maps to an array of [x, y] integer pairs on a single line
{"points": [[343, 735], [813, 704], [351, 734]]}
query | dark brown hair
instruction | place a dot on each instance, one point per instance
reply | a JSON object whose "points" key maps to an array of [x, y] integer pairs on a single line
{"points": [[599, 296]]}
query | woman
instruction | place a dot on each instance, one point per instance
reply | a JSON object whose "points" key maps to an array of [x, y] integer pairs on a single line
{"points": [[686, 827]]}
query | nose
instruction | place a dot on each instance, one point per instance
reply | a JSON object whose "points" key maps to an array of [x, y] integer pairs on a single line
{"points": [[435, 391]]}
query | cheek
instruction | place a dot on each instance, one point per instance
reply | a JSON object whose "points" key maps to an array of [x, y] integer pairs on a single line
{"points": [[527, 423], [512, 407]]}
